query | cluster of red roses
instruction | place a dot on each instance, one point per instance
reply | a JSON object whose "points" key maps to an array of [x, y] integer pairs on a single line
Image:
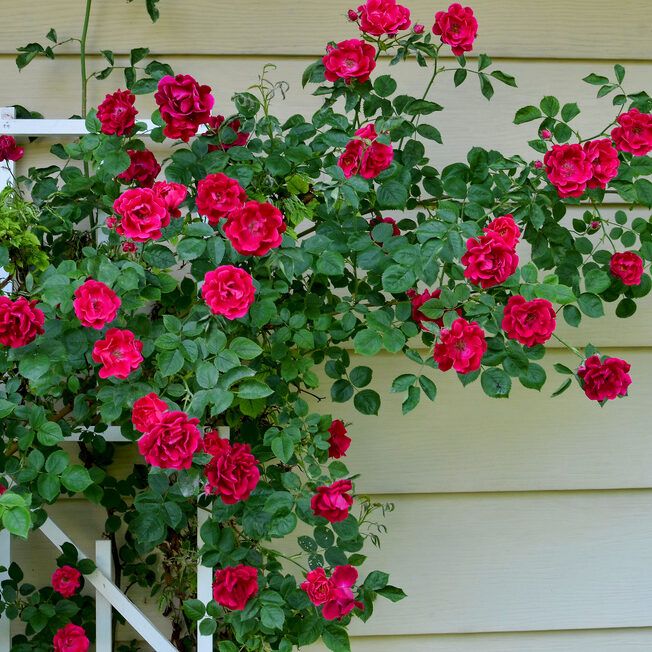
{"points": [[333, 594], [572, 168], [71, 637], [354, 59], [365, 155], [9, 150]]}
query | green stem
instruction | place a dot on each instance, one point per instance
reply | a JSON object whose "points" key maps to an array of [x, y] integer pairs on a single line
{"points": [[82, 57], [568, 346]]}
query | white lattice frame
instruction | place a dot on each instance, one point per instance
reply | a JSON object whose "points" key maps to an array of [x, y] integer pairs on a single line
{"points": [[108, 595]]}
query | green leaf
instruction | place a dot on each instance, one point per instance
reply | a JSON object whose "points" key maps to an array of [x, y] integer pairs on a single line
{"points": [[376, 580], [272, 617], [367, 402], [49, 433], [402, 382], [17, 520], [392, 593], [503, 77], [138, 54], [619, 72], [496, 383], [392, 194], [384, 85], [283, 447], [116, 162], [252, 388], [34, 366], [245, 348], [526, 114], [191, 248], [330, 263], [590, 305], [170, 362], [428, 386], [459, 76], [569, 111], [6, 408], [336, 639], [595, 80], [367, 342], [159, 256], [76, 478], [596, 281], [556, 293], [206, 375], [550, 106], [398, 279], [48, 486], [57, 462], [572, 316], [194, 609], [643, 189], [360, 376]]}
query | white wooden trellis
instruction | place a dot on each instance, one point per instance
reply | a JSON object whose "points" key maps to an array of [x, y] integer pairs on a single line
{"points": [[108, 595]]}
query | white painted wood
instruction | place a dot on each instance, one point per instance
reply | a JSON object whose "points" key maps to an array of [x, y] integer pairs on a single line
{"points": [[5, 560], [617, 640], [103, 609], [515, 562], [105, 587], [513, 28]]}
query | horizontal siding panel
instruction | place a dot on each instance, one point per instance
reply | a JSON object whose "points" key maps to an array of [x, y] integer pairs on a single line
{"points": [[510, 28], [467, 442], [516, 562], [622, 640], [468, 119]]}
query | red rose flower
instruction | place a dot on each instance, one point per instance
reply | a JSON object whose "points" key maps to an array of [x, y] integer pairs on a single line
{"points": [[234, 586], [506, 228], [65, 581], [604, 380], [489, 260], [232, 473], [457, 27], [172, 194], [143, 214], [365, 155], [3, 488], [228, 291], [117, 113], [219, 195], [627, 266], [333, 501], [378, 17], [383, 220], [529, 322], [95, 304], [171, 441], [349, 60], [212, 442], [461, 347], [118, 353], [634, 133], [129, 247], [71, 638], [9, 150], [318, 586], [147, 412], [255, 229], [143, 169], [338, 441], [569, 169], [215, 123], [184, 105], [603, 157], [333, 593], [20, 322]]}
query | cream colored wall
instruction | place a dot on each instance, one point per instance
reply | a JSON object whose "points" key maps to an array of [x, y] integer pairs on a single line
{"points": [[520, 525]]}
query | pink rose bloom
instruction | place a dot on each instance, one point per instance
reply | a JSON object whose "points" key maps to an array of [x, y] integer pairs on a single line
{"points": [[506, 228], [117, 113], [172, 194], [9, 150], [215, 123], [350, 158], [233, 471], [212, 443], [634, 133], [228, 291], [489, 260], [461, 347], [349, 60], [147, 412], [364, 155], [538, 164], [338, 441], [143, 214], [20, 322], [129, 247], [333, 502], [219, 195], [603, 157], [627, 266], [171, 441], [378, 17], [119, 353], [376, 158], [71, 638], [65, 581], [144, 168], [569, 169], [529, 322], [234, 586], [546, 134], [604, 380], [333, 593], [95, 304], [457, 27], [418, 28], [184, 105], [255, 229]]}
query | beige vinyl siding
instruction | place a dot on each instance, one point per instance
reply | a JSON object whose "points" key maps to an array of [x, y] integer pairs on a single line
{"points": [[520, 525]]}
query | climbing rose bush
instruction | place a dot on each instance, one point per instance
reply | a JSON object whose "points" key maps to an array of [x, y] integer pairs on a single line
{"points": [[228, 280]]}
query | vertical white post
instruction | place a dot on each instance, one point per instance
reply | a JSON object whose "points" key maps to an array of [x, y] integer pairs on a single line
{"points": [[5, 560], [204, 585], [103, 619]]}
